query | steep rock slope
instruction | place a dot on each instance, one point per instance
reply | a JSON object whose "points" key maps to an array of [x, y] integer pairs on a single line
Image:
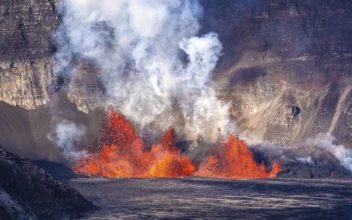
{"points": [[25, 132], [28, 192]]}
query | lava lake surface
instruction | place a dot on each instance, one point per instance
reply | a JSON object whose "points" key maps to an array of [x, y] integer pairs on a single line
{"points": [[203, 198]]}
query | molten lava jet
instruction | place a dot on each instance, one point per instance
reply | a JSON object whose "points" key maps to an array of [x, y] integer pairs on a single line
{"points": [[122, 154], [235, 160]]}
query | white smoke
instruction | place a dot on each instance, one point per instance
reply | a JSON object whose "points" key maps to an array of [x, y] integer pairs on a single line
{"points": [[329, 143], [65, 136], [306, 160], [139, 45]]}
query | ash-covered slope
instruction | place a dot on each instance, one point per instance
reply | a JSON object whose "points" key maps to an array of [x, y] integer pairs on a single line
{"points": [[28, 192], [25, 132], [285, 67]]}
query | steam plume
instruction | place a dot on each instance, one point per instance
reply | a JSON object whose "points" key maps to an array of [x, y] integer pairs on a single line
{"points": [[140, 47], [65, 136], [329, 143]]}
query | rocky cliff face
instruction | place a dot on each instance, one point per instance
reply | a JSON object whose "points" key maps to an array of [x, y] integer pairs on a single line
{"points": [[26, 46], [27, 83], [27, 29], [285, 69]]}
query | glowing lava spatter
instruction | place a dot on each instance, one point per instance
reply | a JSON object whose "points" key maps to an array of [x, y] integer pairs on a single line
{"points": [[122, 154], [235, 160]]}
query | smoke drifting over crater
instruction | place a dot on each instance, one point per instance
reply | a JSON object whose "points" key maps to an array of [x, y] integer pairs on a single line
{"points": [[65, 136], [330, 144], [150, 59]]}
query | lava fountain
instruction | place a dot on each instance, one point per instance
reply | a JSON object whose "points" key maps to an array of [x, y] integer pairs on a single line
{"points": [[235, 160], [122, 154]]}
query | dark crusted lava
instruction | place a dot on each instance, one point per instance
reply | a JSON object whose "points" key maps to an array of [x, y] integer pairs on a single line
{"points": [[28, 192]]}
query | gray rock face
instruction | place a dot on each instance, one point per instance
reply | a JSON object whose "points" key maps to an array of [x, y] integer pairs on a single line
{"points": [[285, 70], [26, 29], [285, 67], [28, 192], [26, 46], [28, 84]]}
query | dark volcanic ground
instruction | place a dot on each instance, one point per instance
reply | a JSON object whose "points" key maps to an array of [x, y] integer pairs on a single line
{"points": [[198, 198], [29, 193]]}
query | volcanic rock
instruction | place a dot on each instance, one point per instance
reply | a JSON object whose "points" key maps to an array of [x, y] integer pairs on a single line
{"points": [[26, 46], [285, 54], [305, 171], [28, 192]]}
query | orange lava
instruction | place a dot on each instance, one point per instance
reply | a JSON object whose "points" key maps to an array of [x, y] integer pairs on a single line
{"points": [[235, 160], [122, 154]]}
